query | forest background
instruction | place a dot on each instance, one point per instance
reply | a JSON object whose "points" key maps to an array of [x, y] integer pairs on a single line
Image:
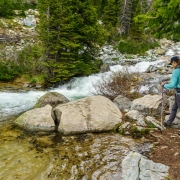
{"points": [[70, 34]]}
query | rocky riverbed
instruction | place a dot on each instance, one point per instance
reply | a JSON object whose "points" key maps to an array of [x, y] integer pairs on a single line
{"points": [[40, 155]]}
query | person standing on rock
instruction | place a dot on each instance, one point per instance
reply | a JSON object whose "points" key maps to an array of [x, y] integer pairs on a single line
{"points": [[174, 84]]}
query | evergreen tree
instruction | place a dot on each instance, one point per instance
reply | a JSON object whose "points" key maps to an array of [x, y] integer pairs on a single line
{"points": [[163, 19], [6, 8], [136, 30], [110, 15], [110, 18], [71, 34]]}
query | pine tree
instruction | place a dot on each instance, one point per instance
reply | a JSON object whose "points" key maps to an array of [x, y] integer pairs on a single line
{"points": [[163, 19], [71, 34], [136, 30], [110, 17]]}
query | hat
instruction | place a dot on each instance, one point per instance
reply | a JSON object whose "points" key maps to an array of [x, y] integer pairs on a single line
{"points": [[175, 58]]}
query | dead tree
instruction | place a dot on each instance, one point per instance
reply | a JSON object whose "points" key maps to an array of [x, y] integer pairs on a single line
{"points": [[125, 16]]}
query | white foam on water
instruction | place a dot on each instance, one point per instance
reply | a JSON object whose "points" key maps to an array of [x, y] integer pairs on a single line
{"points": [[170, 52], [13, 103]]}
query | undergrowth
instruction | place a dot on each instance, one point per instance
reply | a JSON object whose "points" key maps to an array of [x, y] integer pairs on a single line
{"points": [[119, 83], [136, 47]]}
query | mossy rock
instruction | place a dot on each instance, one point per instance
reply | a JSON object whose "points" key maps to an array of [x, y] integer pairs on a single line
{"points": [[51, 98]]}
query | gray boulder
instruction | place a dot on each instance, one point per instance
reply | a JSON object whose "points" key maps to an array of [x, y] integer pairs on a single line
{"points": [[38, 119], [122, 102], [105, 67], [138, 167], [136, 116], [149, 105], [91, 114], [52, 98]]}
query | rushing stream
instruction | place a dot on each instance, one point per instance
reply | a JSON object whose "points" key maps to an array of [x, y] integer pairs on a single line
{"points": [[50, 156], [12, 103]]}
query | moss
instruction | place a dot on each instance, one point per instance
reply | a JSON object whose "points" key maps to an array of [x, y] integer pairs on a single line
{"points": [[19, 120], [150, 125], [121, 130], [136, 133], [116, 128], [115, 59]]}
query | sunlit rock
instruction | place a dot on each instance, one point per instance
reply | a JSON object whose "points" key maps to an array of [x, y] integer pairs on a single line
{"points": [[130, 169], [91, 114], [160, 51], [136, 116], [154, 122], [52, 98], [37, 119], [148, 105]]}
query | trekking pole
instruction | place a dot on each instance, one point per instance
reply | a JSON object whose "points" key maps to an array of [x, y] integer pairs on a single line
{"points": [[162, 107]]}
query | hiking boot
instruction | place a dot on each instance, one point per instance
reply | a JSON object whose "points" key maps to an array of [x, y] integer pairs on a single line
{"points": [[166, 125], [179, 133]]}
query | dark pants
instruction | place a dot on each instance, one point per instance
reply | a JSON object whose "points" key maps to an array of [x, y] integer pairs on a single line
{"points": [[174, 109]]}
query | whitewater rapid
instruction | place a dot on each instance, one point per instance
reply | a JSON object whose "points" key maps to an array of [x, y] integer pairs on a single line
{"points": [[12, 103]]}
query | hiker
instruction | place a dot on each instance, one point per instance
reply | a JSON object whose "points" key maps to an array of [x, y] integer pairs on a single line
{"points": [[174, 84]]}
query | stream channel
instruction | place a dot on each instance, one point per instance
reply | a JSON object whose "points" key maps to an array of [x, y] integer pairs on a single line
{"points": [[48, 155]]}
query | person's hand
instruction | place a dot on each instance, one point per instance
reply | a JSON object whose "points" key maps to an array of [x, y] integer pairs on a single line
{"points": [[162, 83]]}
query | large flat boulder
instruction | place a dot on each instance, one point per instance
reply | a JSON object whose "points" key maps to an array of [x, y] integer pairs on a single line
{"points": [[38, 119], [148, 105], [91, 114]]}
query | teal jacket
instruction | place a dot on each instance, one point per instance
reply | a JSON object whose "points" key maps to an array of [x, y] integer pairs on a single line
{"points": [[175, 80]]}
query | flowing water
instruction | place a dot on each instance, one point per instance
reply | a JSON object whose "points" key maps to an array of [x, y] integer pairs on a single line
{"points": [[50, 156], [47, 156]]}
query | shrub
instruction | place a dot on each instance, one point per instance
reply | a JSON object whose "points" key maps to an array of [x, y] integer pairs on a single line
{"points": [[136, 47], [32, 80], [136, 133], [9, 71], [28, 61], [7, 8], [119, 83]]}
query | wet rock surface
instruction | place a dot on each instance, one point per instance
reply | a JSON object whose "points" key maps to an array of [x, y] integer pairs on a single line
{"points": [[88, 156]]}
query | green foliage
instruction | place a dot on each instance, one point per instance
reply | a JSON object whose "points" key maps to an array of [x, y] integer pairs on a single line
{"points": [[32, 80], [136, 47], [72, 40], [73, 31], [136, 133], [163, 19], [27, 61], [150, 125], [169, 178], [136, 31], [110, 14], [7, 7], [63, 71], [8, 71], [116, 128]]}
